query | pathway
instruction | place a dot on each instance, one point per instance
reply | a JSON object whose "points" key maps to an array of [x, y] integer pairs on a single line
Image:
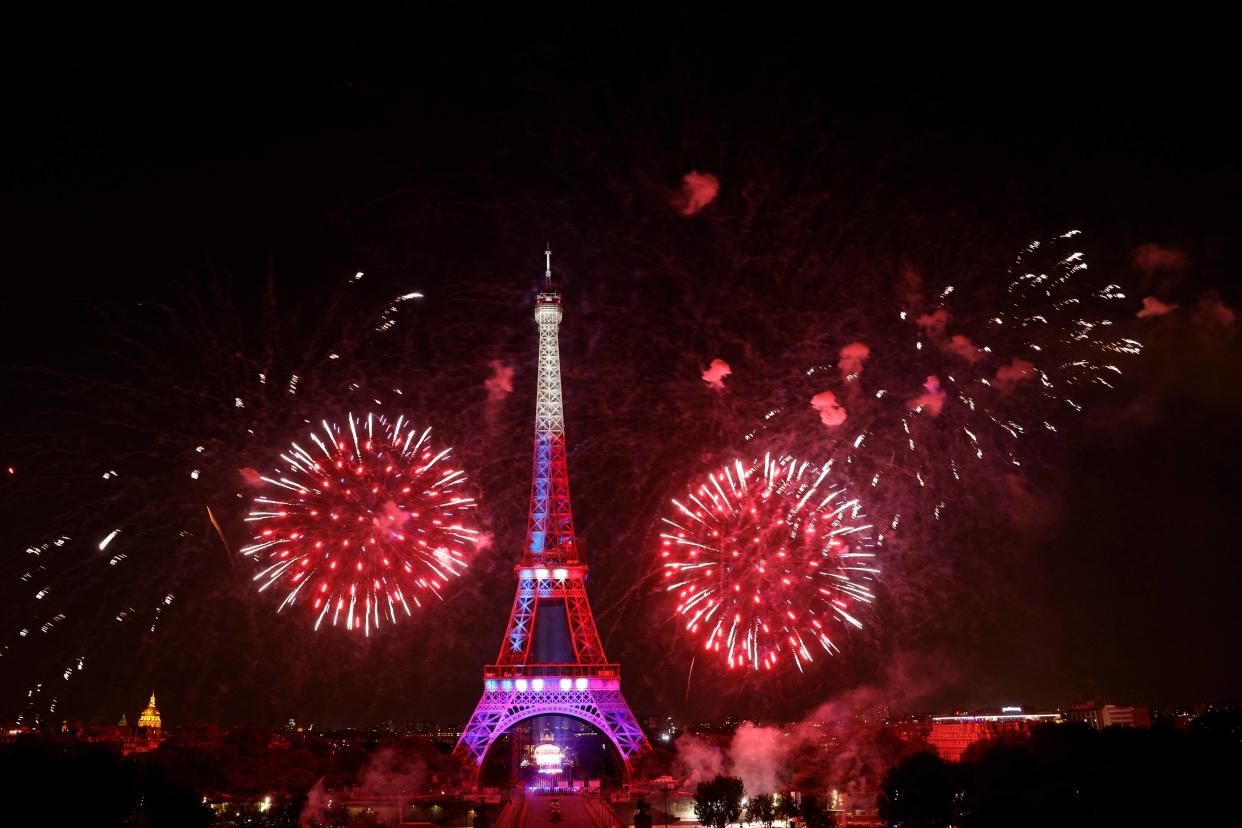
{"points": [[573, 812]]}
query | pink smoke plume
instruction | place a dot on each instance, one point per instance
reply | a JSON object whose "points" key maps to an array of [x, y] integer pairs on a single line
{"points": [[830, 411], [931, 400], [698, 760], [852, 358], [761, 757], [911, 285], [500, 384], [1007, 376], [842, 743], [1151, 257], [1027, 509], [716, 373], [961, 346], [391, 515], [249, 476], [1212, 310], [697, 191], [934, 323], [1153, 307], [389, 772]]}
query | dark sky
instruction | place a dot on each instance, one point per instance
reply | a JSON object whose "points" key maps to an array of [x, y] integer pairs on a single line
{"points": [[186, 196]]}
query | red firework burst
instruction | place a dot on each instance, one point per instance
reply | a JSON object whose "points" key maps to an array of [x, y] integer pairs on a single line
{"points": [[363, 523], [768, 560]]}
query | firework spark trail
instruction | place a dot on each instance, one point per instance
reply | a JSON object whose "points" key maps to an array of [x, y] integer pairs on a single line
{"points": [[767, 561], [365, 529], [1030, 364], [180, 415], [958, 383]]}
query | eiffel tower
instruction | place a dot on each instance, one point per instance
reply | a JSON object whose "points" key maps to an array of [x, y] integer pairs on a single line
{"points": [[558, 668]]}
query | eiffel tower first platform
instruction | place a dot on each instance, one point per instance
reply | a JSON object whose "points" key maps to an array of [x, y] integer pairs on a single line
{"points": [[558, 668]]}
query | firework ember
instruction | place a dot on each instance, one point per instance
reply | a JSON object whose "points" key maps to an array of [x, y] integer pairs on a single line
{"points": [[363, 523], [769, 562], [953, 381]]}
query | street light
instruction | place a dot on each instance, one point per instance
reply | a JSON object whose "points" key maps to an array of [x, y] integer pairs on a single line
{"points": [[667, 783]]}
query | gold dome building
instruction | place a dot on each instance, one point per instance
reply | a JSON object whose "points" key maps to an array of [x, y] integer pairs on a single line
{"points": [[150, 716]]}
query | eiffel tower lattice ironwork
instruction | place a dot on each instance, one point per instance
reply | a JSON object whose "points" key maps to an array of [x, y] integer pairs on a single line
{"points": [[552, 573]]}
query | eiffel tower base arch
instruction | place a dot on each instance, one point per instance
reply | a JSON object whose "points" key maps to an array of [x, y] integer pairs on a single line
{"points": [[594, 700]]}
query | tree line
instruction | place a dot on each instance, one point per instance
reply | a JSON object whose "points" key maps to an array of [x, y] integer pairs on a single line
{"points": [[1073, 775]]}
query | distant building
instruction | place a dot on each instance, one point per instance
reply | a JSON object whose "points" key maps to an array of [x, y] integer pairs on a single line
{"points": [[14, 729], [1112, 714], [1100, 716], [150, 716], [876, 715], [661, 729], [909, 730], [435, 731], [147, 736], [951, 735], [1087, 712]]}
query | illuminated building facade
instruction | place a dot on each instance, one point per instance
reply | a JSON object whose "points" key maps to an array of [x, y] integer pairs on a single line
{"points": [[150, 715], [549, 758], [146, 736], [1101, 716], [951, 735]]}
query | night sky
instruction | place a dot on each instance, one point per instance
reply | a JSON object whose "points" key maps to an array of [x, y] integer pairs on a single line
{"points": [[186, 201]]}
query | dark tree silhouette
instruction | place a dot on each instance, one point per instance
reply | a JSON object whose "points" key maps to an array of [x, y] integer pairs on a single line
{"points": [[1072, 775], [718, 801], [46, 781], [642, 819], [759, 808], [786, 807], [919, 792]]}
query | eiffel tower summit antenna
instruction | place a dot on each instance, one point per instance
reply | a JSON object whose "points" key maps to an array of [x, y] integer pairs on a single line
{"points": [[537, 672]]}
